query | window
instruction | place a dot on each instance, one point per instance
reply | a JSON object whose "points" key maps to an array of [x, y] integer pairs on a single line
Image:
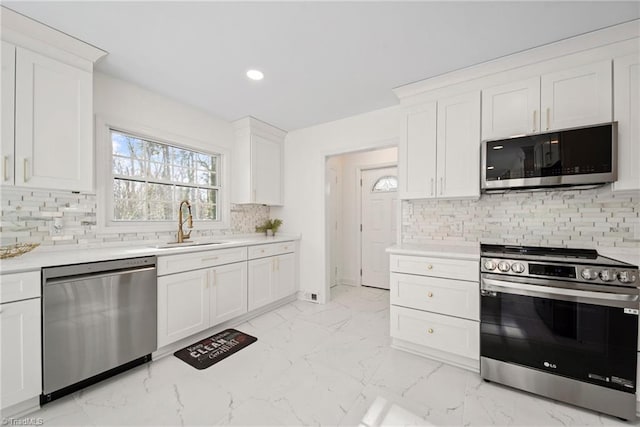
{"points": [[150, 178], [385, 183]]}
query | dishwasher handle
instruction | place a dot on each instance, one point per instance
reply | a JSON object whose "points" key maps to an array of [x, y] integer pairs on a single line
{"points": [[92, 276]]}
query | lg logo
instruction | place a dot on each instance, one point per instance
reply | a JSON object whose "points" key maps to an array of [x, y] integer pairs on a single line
{"points": [[550, 365]]}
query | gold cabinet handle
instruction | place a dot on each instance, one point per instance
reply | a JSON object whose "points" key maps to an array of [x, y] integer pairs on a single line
{"points": [[430, 294], [430, 330], [429, 267], [432, 186], [213, 258], [548, 116], [26, 167], [6, 168], [535, 114], [441, 186]]}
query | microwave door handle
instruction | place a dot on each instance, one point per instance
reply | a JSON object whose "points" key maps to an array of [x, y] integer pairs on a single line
{"points": [[598, 298]]}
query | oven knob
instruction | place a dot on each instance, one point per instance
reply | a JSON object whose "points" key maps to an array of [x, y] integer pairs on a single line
{"points": [[607, 275], [517, 267], [489, 265], [504, 266], [589, 274], [626, 277]]}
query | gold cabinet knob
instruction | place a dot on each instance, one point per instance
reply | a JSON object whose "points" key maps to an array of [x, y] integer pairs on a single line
{"points": [[430, 294], [429, 267], [430, 330]]}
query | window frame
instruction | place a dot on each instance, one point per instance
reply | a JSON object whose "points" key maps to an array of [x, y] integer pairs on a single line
{"points": [[105, 177]]}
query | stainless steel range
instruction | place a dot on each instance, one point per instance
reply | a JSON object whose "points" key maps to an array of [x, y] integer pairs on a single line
{"points": [[562, 323]]}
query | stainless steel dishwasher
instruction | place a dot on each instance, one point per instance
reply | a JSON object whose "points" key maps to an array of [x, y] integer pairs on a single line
{"points": [[98, 319]]}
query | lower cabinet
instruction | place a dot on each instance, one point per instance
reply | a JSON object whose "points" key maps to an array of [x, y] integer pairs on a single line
{"points": [[270, 279], [435, 308], [20, 361], [197, 291], [183, 305], [193, 301], [228, 292]]}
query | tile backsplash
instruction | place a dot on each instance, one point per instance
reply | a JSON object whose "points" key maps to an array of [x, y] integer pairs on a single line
{"points": [[565, 218], [57, 218]]}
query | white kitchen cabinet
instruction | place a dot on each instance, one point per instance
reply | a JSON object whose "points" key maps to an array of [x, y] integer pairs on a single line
{"points": [[257, 163], [511, 109], [435, 308], [261, 276], [47, 106], [458, 151], [20, 334], [270, 279], [578, 96], [573, 97], [8, 109], [183, 305], [439, 154], [53, 124], [417, 152], [228, 292], [285, 284], [627, 113]]}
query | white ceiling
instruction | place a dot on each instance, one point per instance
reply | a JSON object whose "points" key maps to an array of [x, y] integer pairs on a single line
{"points": [[322, 60]]}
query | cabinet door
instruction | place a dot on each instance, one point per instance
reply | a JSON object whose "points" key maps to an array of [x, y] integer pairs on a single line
{"points": [[511, 109], [21, 362], [228, 292], [417, 153], [459, 146], [577, 97], [285, 284], [54, 124], [8, 105], [260, 283], [627, 113], [266, 167], [183, 305]]}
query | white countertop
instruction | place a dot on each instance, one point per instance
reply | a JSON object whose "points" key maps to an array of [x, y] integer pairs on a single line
{"points": [[47, 256], [464, 250]]}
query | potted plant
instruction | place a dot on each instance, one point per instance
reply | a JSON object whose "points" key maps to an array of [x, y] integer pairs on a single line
{"points": [[269, 227]]}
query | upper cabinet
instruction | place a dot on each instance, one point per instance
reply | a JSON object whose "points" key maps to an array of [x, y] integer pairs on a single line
{"points": [[626, 112], [511, 109], [257, 163], [8, 109], [47, 107], [439, 151], [564, 99]]}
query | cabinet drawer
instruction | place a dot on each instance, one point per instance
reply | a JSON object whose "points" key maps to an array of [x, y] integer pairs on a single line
{"points": [[192, 261], [271, 249], [444, 333], [444, 296], [19, 286], [436, 267]]}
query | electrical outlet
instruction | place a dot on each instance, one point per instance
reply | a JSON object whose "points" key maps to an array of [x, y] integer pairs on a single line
{"points": [[310, 296], [57, 226]]}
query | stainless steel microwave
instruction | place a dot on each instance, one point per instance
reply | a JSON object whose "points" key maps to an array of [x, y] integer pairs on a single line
{"points": [[579, 156]]}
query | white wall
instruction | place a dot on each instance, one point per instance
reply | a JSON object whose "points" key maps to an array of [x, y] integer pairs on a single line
{"points": [[304, 175], [349, 266], [115, 98]]}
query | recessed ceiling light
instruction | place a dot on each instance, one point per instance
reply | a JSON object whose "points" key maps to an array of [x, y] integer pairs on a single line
{"points": [[255, 74]]}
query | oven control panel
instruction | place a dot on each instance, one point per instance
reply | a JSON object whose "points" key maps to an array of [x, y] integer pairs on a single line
{"points": [[583, 273]]}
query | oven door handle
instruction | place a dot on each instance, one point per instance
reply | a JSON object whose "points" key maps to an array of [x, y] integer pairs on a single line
{"points": [[576, 295]]}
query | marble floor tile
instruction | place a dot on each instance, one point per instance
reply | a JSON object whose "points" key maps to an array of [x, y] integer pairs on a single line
{"points": [[313, 364]]}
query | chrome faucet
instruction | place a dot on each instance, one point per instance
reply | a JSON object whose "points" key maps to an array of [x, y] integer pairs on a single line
{"points": [[182, 237]]}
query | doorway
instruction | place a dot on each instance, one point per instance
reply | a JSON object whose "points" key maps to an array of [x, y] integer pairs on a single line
{"points": [[343, 212], [378, 201]]}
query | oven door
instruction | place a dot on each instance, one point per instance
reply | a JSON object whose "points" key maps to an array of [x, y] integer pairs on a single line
{"points": [[587, 333]]}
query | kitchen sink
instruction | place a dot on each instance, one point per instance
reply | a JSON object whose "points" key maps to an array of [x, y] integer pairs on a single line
{"points": [[176, 245]]}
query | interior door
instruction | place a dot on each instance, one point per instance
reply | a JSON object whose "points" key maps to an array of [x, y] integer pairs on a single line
{"points": [[379, 201]]}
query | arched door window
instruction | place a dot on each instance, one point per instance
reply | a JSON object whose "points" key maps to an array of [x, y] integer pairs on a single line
{"points": [[384, 184]]}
